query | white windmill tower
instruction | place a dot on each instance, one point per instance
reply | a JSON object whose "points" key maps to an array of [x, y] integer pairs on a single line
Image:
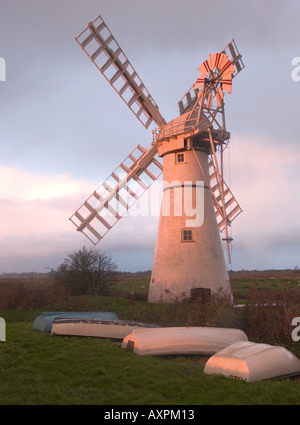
{"points": [[188, 253]]}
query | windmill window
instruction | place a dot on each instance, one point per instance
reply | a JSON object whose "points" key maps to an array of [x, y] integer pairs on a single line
{"points": [[180, 158], [187, 235]]}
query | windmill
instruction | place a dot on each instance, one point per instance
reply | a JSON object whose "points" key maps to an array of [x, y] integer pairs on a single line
{"points": [[188, 254]]}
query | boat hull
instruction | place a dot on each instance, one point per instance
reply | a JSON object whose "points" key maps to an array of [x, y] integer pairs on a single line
{"points": [[181, 340], [45, 321], [115, 329], [253, 362]]}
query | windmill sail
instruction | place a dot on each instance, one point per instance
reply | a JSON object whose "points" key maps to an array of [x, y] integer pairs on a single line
{"points": [[235, 57], [216, 75], [112, 199], [228, 210], [104, 51]]}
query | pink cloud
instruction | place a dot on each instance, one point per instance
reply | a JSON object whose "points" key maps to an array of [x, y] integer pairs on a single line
{"points": [[264, 178], [34, 209]]}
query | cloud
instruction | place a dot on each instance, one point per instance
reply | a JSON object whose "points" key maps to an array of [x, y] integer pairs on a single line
{"points": [[35, 231], [27, 186], [34, 211], [264, 177], [61, 119]]}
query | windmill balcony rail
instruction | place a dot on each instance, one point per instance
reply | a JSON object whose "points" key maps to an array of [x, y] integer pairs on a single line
{"points": [[172, 130], [188, 127]]}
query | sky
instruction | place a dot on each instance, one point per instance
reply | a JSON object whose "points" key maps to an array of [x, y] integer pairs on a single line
{"points": [[63, 129]]}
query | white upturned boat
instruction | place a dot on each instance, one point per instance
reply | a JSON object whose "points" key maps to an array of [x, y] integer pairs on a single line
{"points": [[252, 362], [181, 340], [45, 321], [117, 329]]}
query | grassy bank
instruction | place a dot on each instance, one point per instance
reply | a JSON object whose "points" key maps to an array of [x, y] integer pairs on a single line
{"points": [[38, 368]]}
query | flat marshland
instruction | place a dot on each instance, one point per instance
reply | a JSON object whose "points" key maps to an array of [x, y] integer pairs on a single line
{"points": [[42, 369]]}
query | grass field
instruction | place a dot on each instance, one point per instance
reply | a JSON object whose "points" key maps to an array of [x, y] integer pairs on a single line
{"points": [[37, 368], [42, 369]]}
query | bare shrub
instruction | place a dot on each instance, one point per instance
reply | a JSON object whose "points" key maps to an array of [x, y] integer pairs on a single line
{"points": [[86, 272]]}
